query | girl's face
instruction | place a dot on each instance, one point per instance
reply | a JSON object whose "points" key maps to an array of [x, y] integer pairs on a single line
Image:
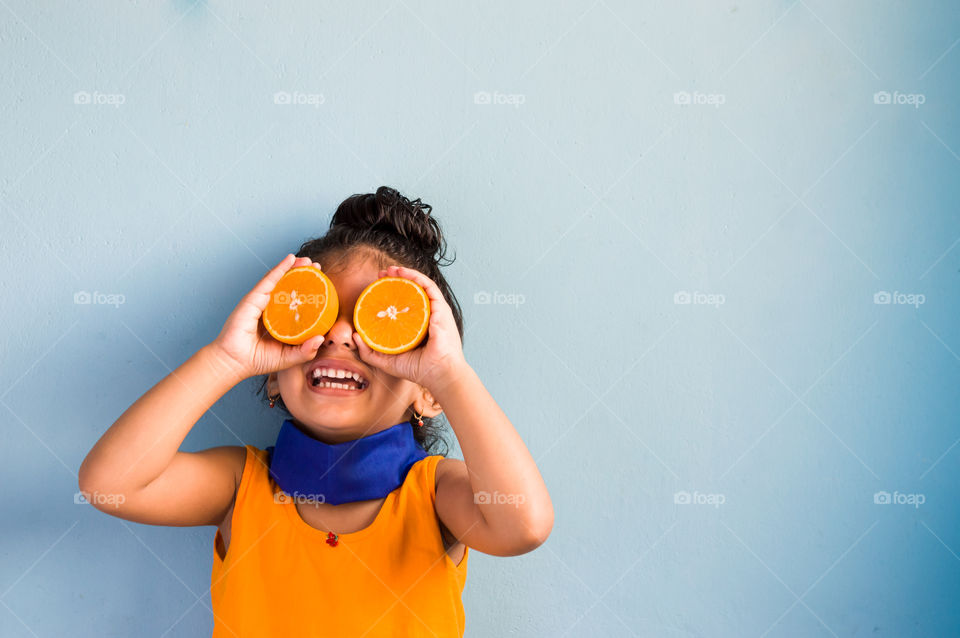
{"points": [[335, 415]]}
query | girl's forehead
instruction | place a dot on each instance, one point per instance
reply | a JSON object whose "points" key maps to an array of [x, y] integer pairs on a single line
{"points": [[359, 259], [352, 275]]}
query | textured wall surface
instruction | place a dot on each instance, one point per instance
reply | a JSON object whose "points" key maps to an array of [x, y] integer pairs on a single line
{"points": [[707, 253]]}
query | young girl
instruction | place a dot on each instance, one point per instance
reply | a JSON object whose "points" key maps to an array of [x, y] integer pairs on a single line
{"points": [[348, 525]]}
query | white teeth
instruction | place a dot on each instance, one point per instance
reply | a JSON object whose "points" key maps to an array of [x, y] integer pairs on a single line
{"points": [[331, 384], [335, 373]]}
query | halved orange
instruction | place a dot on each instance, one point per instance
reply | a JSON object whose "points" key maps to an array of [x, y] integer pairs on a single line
{"points": [[391, 315], [302, 305]]}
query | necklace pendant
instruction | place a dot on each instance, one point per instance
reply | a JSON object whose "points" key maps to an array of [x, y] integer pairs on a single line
{"points": [[332, 539]]}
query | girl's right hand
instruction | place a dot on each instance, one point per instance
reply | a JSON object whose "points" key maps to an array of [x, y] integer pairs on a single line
{"points": [[246, 344]]}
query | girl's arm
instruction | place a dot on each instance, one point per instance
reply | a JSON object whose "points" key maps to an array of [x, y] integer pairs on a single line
{"points": [[136, 471], [495, 500]]}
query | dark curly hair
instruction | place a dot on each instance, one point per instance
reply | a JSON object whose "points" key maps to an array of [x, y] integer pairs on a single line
{"points": [[394, 230]]}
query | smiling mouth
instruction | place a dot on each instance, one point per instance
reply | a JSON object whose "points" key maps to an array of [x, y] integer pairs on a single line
{"points": [[338, 379]]}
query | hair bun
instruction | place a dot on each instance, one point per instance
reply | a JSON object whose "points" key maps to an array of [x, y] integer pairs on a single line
{"points": [[388, 211]]}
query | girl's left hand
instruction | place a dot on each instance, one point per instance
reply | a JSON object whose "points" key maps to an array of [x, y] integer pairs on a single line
{"points": [[438, 355]]}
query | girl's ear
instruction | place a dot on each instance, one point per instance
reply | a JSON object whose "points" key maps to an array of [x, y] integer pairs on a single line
{"points": [[425, 404], [273, 387]]}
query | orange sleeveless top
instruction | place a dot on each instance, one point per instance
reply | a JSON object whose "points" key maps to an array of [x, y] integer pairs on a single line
{"points": [[280, 577]]}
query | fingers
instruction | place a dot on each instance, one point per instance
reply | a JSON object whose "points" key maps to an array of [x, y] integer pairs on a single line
{"points": [[292, 355], [369, 355], [252, 304], [260, 295], [311, 345], [270, 280], [432, 290], [308, 349]]}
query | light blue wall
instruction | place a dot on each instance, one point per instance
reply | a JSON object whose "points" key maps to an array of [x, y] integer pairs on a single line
{"points": [[585, 191]]}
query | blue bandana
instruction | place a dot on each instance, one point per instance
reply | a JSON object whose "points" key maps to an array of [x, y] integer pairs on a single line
{"points": [[366, 468]]}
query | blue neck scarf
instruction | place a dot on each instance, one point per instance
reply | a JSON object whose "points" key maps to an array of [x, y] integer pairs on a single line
{"points": [[366, 468]]}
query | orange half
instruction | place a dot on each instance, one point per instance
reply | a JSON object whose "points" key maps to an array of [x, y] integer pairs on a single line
{"points": [[302, 305], [392, 314]]}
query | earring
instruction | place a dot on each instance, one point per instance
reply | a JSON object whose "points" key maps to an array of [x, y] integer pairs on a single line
{"points": [[273, 400], [419, 418]]}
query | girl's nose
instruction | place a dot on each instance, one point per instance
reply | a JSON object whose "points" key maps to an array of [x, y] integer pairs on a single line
{"points": [[341, 333]]}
